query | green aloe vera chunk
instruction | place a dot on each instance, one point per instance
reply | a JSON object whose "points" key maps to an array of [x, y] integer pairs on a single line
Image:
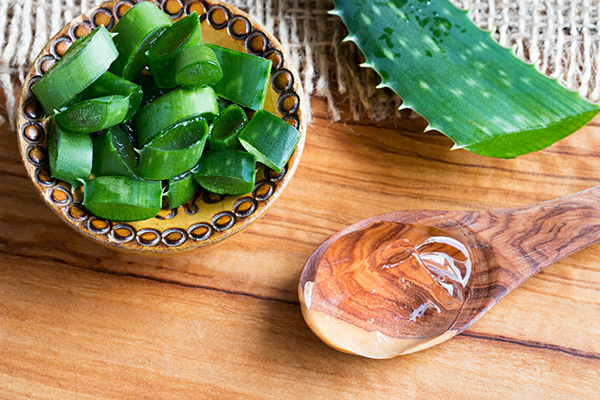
{"points": [[163, 52], [150, 91], [197, 66], [226, 128], [109, 84], [270, 139], [181, 189], [96, 114], [176, 150], [121, 198], [86, 59], [69, 153], [174, 106], [459, 79], [245, 77], [227, 172], [114, 154], [135, 32]]}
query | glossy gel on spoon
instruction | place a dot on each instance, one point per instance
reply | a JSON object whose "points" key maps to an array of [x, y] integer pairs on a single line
{"points": [[405, 281]]}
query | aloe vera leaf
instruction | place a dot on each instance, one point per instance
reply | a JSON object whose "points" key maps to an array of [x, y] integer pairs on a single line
{"points": [[459, 79]]}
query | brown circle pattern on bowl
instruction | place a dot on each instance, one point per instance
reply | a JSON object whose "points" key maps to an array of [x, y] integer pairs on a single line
{"points": [[33, 134]]}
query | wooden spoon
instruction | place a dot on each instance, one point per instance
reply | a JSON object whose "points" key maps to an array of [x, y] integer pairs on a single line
{"points": [[404, 281]]}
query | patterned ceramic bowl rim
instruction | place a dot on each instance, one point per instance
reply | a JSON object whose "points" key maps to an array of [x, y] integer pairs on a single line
{"points": [[207, 219]]}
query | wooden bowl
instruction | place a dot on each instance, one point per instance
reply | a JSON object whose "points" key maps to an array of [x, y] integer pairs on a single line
{"points": [[207, 218]]}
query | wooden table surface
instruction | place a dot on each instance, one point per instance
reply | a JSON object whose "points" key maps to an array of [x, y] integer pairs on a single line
{"points": [[78, 321]]}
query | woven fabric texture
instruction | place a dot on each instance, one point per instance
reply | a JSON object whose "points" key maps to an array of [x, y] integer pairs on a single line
{"points": [[562, 36]]}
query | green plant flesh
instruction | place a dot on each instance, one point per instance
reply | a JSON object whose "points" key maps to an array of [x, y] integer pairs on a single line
{"points": [[109, 84], [227, 171], [459, 79], [126, 134], [114, 154], [197, 66], [86, 59], [270, 139], [95, 114], [70, 154], [176, 150], [226, 128], [136, 30], [181, 189], [121, 198], [173, 107], [245, 77], [163, 52]]}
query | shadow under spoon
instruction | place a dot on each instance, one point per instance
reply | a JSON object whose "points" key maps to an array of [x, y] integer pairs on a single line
{"points": [[404, 281]]}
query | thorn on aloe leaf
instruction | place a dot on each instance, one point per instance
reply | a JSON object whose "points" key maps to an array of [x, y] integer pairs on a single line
{"points": [[404, 106], [460, 79]]}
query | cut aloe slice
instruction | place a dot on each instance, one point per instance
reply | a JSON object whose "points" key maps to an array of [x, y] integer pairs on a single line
{"points": [[459, 79], [176, 150], [150, 91], [226, 128], [197, 66], [245, 77], [227, 172], [181, 189], [86, 59], [141, 25], [96, 114], [114, 154], [69, 153], [270, 139], [175, 106], [109, 84], [161, 55], [120, 198]]}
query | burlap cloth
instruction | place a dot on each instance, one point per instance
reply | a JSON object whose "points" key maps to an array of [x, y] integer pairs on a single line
{"points": [[563, 35]]}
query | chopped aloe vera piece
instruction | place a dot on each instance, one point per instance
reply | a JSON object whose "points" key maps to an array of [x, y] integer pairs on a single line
{"points": [[222, 104], [150, 91], [86, 59], [121, 198], [176, 150], [181, 189], [226, 128], [245, 77], [270, 139], [459, 79], [197, 66], [95, 114], [227, 172], [179, 104], [110, 84], [163, 52], [114, 154], [141, 25], [69, 153]]}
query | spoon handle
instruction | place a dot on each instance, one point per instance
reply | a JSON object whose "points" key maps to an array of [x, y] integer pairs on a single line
{"points": [[528, 239]]}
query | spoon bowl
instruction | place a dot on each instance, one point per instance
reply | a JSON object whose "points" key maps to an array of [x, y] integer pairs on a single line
{"points": [[380, 287]]}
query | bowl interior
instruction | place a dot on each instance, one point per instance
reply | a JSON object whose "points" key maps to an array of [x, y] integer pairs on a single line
{"points": [[207, 218]]}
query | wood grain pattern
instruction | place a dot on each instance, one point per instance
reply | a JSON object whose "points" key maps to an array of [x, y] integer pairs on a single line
{"points": [[78, 321]]}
